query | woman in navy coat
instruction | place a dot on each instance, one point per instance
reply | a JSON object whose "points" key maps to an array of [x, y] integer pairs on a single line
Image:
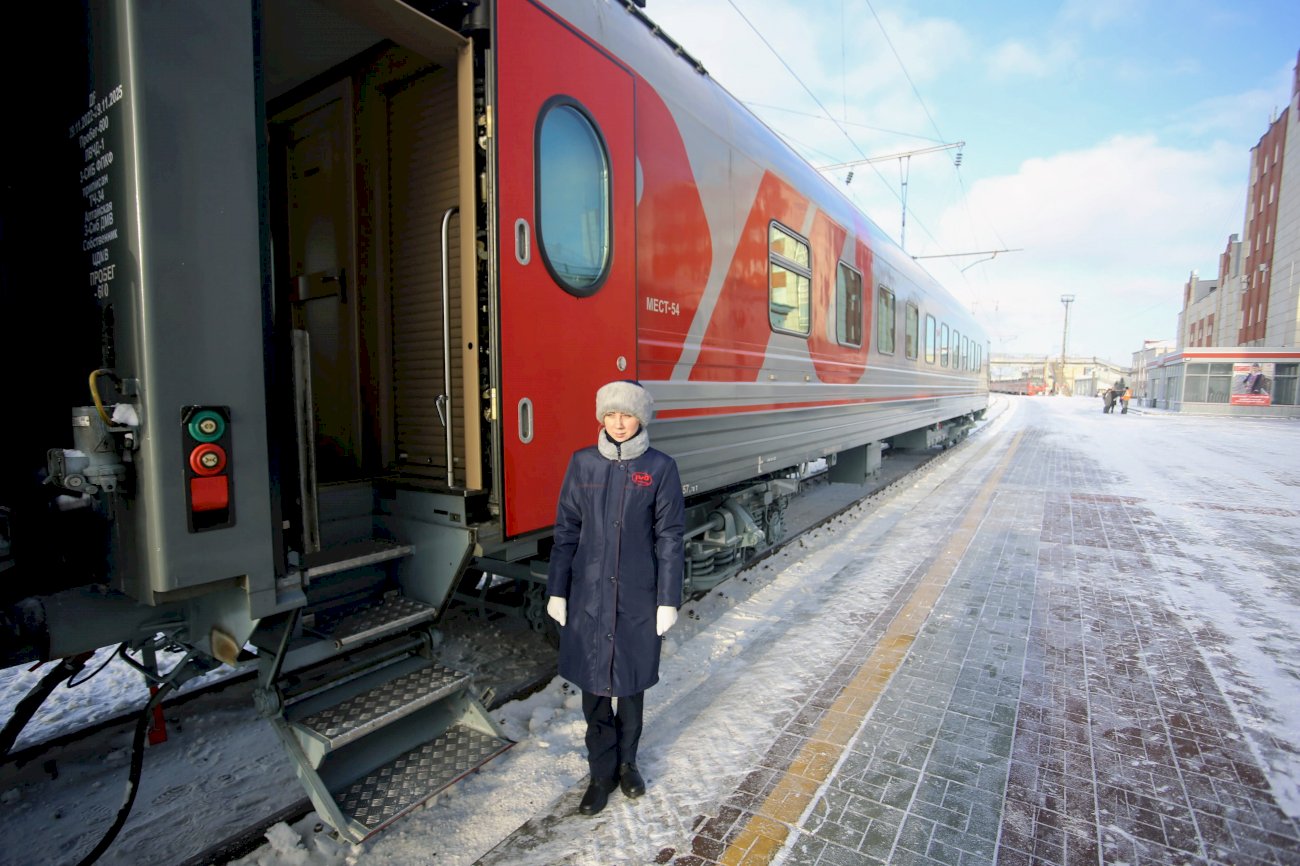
{"points": [[615, 581]]}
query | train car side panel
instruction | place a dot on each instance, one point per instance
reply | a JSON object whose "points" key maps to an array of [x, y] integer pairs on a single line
{"points": [[184, 316], [568, 262], [674, 242]]}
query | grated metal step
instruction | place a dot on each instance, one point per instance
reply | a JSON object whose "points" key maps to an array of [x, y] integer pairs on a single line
{"points": [[393, 614], [357, 555], [375, 708], [390, 791]]}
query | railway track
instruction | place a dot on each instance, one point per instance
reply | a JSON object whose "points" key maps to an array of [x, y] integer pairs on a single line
{"points": [[498, 670]]}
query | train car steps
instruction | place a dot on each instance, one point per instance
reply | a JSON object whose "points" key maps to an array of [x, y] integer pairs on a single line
{"points": [[356, 555], [372, 723], [391, 791], [363, 708], [379, 742], [391, 614]]}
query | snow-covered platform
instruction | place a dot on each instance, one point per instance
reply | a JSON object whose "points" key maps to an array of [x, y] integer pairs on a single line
{"points": [[1071, 640]]}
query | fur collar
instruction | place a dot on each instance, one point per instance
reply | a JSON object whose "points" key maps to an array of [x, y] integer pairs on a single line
{"points": [[629, 450]]}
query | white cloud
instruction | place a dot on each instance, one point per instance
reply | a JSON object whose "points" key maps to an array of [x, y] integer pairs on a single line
{"points": [[1119, 225], [1228, 115], [1015, 59], [1099, 14], [849, 63]]}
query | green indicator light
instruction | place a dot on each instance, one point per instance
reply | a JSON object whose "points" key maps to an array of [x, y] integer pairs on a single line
{"points": [[207, 426]]}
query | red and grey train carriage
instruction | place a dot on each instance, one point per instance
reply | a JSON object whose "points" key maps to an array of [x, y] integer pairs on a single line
{"points": [[350, 273]]}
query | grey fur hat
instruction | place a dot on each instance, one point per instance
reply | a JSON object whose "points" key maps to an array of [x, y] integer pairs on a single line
{"points": [[627, 397]]}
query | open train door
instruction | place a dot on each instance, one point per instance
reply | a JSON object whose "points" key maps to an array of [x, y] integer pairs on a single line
{"points": [[567, 187]]}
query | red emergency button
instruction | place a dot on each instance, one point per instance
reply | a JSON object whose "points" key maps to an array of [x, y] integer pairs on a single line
{"points": [[208, 459], [210, 494]]}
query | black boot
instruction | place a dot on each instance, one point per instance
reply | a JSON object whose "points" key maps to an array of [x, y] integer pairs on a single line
{"points": [[629, 779], [596, 797]]}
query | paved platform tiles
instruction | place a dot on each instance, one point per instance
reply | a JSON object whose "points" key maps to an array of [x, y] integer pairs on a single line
{"points": [[1030, 702]]}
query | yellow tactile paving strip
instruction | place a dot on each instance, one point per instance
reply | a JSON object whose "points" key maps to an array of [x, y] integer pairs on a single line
{"points": [[761, 838]]}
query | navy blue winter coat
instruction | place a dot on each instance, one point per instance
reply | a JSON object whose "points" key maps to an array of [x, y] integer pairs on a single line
{"points": [[617, 558]]}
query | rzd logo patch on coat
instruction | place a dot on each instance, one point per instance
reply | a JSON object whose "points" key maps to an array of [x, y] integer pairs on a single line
{"points": [[642, 479]]}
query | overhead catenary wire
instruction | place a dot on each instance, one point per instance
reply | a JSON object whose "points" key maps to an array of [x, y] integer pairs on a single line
{"points": [[965, 199], [841, 124], [784, 110], [825, 112]]}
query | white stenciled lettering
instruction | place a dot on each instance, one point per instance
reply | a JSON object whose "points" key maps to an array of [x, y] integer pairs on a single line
{"points": [[106, 208], [660, 305], [99, 224], [94, 186], [98, 241], [95, 112], [102, 275]]}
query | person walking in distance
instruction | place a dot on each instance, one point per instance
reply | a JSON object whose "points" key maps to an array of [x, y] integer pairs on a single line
{"points": [[615, 581], [1128, 395]]}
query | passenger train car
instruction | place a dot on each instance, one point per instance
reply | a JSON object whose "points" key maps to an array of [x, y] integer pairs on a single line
{"points": [[335, 283]]}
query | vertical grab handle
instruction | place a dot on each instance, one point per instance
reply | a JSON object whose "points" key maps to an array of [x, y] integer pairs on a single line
{"points": [[445, 400], [523, 242], [526, 420]]}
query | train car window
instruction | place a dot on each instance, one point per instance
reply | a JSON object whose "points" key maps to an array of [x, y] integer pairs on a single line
{"points": [[885, 322], [965, 353], [848, 306], [943, 345], [789, 292], [931, 337], [954, 359], [573, 198], [911, 330]]}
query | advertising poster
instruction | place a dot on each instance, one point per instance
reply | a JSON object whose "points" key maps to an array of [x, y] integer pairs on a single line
{"points": [[1252, 385]]}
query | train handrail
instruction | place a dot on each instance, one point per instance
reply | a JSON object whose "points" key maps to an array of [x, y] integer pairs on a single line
{"points": [[446, 403]]}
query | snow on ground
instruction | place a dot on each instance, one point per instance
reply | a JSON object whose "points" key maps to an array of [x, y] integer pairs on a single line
{"points": [[1228, 489]]}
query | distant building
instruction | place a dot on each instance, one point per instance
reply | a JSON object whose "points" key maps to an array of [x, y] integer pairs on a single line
{"points": [[1152, 352], [1039, 374], [1284, 270], [1263, 201], [1196, 323], [1232, 290], [1238, 346], [1226, 381]]}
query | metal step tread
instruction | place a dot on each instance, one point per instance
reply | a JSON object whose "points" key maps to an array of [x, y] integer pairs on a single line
{"points": [[371, 710], [392, 614], [355, 555], [390, 791]]}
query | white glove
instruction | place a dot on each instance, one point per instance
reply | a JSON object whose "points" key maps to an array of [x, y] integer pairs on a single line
{"points": [[664, 619], [557, 608]]}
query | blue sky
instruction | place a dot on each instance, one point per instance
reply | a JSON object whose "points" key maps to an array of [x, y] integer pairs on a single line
{"points": [[1106, 142]]}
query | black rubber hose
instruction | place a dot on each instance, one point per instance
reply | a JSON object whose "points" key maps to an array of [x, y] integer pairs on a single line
{"points": [[133, 783], [26, 708]]}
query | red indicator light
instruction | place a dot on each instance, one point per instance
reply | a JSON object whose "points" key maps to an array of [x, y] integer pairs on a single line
{"points": [[208, 459]]}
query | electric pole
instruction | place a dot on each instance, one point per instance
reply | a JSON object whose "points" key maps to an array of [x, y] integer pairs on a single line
{"points": [[1065, 337], [904, 169]]}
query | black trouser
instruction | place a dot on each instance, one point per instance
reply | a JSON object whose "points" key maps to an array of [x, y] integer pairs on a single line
{"points": [[612, 737]]}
